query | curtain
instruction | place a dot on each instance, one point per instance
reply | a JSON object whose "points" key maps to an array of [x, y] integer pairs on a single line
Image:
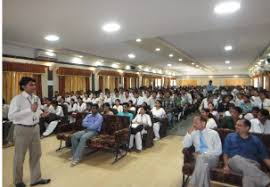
{"points": [[37, 77], [62, 85], [235, 82], [87, 82], [75, 83], [101, 83], [110, 82], [11, 81], [188, 82]]}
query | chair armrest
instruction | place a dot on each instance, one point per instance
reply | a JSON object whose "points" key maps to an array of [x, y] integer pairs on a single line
{"points": [[121, 132], [188, 154]]}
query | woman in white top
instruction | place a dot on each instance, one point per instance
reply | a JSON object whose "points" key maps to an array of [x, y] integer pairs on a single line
{"points": [[158, 113], [261, 124], [117, 106], [211, 123], [141, 122]]}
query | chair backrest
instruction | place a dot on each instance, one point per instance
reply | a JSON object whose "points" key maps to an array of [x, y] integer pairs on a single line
{"points": [[113, 123]]}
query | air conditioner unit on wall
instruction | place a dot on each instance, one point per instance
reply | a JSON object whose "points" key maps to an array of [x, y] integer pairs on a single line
{"points": [[45, 55]]}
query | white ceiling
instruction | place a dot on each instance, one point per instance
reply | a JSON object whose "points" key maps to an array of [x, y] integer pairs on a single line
{"points": [[189, 25]]}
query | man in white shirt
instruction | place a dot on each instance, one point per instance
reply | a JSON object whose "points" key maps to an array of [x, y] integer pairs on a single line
{"points": [[261, 124], [208, 148], [255, 99], [265, 101], [138, 100], [24, 113]]}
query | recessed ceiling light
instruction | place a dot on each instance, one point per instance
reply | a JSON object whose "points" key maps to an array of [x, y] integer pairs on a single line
{"points": [[235, 76], [157, 49], [51, 54], [115, 65], [228, 48], [227, 62], [50, 50], [131, 55], [193, 63], [140, 66], [51, 38], [80, 56], [111, 27], [228, 7], [138, 40], [269, 54], [229, 67], [77, 60], [259, 62], [197, 65], [128, 67], [180, 59], [169, 65], [171, 55], [98, 63]]}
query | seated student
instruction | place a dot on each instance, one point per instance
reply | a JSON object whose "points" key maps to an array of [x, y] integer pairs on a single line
{"points": [[72, 107], [246, 105], [213, 111], [229, 122], [58, 111], [125, 112], [211, 123], [138, 100], [92, 122], [131, 106], [242, 154], [169, 105], [138, 126], [107, 109], [261, 124], [265, 104], [158, 113], [118, 106], [81, 106], [253, 114], [208, 148], [108, 98], [224, 105]]}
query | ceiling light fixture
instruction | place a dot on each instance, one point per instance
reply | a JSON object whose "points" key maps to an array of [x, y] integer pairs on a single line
{"points": [[51, 54], [128, 67], [98, 63], [197, 66], [228, 48], [77, 60], [169, 65], [157, 49], [171, 55], [51, 38], [138, 40], [131, 56], [229, 67], [111, 27], [180, 59], [227, 62], [235, 76], [115, 65], [227, 7], [193, 63]]}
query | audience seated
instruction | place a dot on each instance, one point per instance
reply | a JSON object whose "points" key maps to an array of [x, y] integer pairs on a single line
{"points": [[126, 112], [92, 123], [208, 148], [139, 124], [243, 153], [210, 121], [107, 109], [261, 124], [158, 114], [229, 122]]}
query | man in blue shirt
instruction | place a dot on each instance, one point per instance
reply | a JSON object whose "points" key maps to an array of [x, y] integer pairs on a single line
{"points": [[242, 154], [92, 122], [125, 112], [210, 87]]}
